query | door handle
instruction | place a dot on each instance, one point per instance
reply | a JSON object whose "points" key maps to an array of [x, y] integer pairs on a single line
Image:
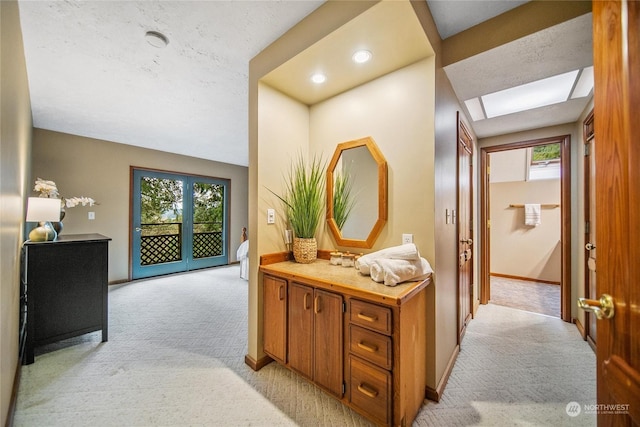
{"points": [[467, 241], [138, 229], [589, 246], [602, 308]]}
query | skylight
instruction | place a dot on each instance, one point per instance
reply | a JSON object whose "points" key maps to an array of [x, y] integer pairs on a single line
{"points": [[540, 93]]}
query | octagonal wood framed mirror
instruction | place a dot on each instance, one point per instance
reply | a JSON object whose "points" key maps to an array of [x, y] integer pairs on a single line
{"points": [[359, 166]]}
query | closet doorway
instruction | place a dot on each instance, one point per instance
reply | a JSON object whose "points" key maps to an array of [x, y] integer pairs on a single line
{"points": [[510, 218]]}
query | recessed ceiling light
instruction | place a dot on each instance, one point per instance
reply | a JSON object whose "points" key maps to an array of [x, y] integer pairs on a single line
{"points": [[318, 78], [156, 39], [361, 56]]}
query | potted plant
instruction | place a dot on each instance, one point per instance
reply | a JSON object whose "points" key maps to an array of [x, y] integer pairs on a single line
{"points": [[303, 199]]}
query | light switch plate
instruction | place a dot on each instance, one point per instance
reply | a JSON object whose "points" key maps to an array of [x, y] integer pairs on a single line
{"points": [[91, 215], [271, 216]]}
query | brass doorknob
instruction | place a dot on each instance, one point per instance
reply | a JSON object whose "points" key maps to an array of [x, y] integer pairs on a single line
{"points": [[467, 241], [589, 246], [602, 308]]}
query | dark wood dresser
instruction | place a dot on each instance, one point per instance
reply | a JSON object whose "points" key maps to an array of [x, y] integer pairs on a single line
{"points": [[64, 285]]}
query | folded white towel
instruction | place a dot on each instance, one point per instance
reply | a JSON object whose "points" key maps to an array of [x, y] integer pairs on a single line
{"points": [[532, 214], [408, 251], [395, 271]]}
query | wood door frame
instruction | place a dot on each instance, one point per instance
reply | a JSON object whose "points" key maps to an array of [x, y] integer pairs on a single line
{"points": [[588, 136], [463, 132], [565, 221]]}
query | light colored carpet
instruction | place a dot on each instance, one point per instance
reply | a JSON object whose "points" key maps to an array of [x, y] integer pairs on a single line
{"points": [[175, 357], [536, 297]]}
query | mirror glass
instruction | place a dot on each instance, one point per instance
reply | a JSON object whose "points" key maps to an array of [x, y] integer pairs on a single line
{"points": [[360, 168]]}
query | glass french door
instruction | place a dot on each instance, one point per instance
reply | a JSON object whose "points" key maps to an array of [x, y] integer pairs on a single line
{"points": [[179, 223]]}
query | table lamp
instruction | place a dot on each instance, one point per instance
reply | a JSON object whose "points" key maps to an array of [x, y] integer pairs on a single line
{"points": [[43, 211]]}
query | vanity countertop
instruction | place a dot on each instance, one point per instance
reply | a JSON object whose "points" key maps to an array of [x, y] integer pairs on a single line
{"points": [[322, 273]]}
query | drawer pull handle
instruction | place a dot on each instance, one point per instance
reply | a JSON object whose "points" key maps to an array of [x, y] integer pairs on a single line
{"points": [[280, 293], [367, 318], [367, 391], [368, 347]]}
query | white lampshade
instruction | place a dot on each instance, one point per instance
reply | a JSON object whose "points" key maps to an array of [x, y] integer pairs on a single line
{"points": [[40, 209]]}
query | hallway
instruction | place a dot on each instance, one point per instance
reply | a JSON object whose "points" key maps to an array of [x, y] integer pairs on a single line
{"points": [[175, 356]]}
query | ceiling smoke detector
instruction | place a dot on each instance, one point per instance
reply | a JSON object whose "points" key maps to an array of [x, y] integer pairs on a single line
{"points": [[156, 39]]}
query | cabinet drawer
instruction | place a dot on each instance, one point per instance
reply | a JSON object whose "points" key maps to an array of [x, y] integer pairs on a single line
{"points": [[371, 316], [371, 346], [370, 389]]}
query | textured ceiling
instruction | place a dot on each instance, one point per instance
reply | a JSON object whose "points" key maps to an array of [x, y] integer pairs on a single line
{"points": [[91, 72]]}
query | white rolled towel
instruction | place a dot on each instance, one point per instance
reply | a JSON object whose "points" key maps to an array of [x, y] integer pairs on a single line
{"points": [[394, 271], [408, 251]]}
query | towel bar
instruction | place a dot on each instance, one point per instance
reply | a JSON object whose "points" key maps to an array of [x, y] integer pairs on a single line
{"points": [[549, 206]]}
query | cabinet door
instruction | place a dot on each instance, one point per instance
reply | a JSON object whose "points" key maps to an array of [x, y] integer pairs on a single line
{"points": [[328, 348], [301, 329], [275, 318]]}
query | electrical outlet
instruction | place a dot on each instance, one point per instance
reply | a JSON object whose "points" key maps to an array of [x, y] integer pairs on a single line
{"points": [[407, 238], [91, 215], [271, 216]]}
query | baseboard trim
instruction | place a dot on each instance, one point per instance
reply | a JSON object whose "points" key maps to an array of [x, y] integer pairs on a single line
{"points": [[581, 329], [528, 279], [14, 395], [436, 394], [256, 365]]}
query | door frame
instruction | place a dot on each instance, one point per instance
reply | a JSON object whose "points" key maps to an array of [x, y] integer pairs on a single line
{"points": [[565, 222], [227, 213], [464, 138], [589, 221]]}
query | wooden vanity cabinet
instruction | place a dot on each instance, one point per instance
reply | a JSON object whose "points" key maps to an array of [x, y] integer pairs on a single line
{"points": [[275, 318], [363, 342], [315, 336]]}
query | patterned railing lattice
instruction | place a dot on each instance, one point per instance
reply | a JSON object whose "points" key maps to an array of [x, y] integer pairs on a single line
{"points": [[207, 244], [160, 249]]}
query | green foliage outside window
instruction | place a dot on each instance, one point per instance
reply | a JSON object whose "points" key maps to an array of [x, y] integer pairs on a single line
{"points": [[161, 203], [545, 153]]}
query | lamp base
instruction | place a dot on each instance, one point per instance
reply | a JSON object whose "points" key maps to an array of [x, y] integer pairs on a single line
{"points": [[43, 233]]}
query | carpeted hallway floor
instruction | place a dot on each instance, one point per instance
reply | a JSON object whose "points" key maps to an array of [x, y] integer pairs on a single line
{"points": [[175, 357]]}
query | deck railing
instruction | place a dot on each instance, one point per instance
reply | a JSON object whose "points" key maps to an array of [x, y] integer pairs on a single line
{"points": [[161, 243]]}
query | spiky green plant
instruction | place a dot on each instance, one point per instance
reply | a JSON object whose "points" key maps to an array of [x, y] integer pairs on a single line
{"points": [[343, 203], [304, 195]]}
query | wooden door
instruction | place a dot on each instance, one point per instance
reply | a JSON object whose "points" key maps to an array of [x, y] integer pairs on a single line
{"points": [[465, 229], [301, 329], [275, 317], [616, 43], [328, 321], [590, 225]]}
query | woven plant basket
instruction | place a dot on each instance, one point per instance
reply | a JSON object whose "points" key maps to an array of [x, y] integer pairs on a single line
{"points": [[305, 251]]}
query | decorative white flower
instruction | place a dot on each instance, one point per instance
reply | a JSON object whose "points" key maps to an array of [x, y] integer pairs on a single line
{"points": [[50, 190], [75, 201], [46, 188]]}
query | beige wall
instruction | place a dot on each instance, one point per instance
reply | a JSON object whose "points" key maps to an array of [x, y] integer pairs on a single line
{"points": [[409, 153], [15, 150], [518, 249], [407, 129], [101, 169]]}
